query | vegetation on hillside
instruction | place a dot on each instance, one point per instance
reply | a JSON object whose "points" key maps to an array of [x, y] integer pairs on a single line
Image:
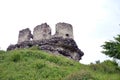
{"points": [[112, 48], [33, 64]]}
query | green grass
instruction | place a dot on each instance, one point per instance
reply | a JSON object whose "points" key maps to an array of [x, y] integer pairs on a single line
{"points": [[32, 64]]}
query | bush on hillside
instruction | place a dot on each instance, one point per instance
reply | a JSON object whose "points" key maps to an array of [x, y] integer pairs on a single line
{"points": [[81, 75], [106, 67], [112, 48], [15, 57], [2, 51]]}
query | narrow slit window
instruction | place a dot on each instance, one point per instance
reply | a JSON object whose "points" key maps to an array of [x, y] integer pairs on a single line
{"points": [[67, 35]]}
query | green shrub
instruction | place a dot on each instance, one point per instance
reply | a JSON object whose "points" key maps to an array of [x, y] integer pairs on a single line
{"points": [[39, 64], [81, 75], [26, 64], [2, 55], [34, 48], [106, 67], [2, 51], [15, 57], [53, 59]]}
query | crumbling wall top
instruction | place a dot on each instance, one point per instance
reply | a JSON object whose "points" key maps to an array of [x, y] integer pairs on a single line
{"points": [[64, 30], [41, 32], [24, 35]]}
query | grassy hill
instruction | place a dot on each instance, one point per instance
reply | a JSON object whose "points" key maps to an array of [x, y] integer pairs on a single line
{"points": [[32, 64]]}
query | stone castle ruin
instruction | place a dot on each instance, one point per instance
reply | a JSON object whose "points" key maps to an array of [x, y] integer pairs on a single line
{"points": [[24, 35], [64, 30], [43, 31], [61, 42]]}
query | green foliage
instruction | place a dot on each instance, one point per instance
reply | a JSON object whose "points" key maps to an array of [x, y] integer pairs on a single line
{"points": [[33, 64], [15, 57], [34, 48], [106, 67], [81, 75], [112, 48], [2, 55], [1, 51]]}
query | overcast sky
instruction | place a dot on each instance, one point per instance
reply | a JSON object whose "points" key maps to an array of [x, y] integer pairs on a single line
{"points": [[94, 21]]}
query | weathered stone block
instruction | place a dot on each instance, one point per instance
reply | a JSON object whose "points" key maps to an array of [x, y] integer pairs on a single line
{"points": [[42, 32], [64, 30], [24, 35]]}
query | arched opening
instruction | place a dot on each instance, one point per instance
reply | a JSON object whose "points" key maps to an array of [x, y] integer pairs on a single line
{"points": [[31, 37]]}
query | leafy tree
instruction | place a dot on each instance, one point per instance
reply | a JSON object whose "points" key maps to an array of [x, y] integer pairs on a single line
{"points": [[112, 48]]}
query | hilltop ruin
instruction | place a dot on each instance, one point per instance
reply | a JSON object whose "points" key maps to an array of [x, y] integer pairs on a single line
{"points": [[62, 42]]}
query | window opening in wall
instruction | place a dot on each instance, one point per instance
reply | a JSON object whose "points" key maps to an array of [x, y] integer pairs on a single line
{"points": [[31, 39], [67, 35]]}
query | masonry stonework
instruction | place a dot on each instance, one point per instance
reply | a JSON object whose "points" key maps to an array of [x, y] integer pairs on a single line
{"points": [[42, 32], [64, 30], [24, 35]]}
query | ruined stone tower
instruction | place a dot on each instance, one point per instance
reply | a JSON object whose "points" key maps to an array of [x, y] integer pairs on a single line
{"points": [[61, 42], [42, 32], [64, 30], [24, 35]]}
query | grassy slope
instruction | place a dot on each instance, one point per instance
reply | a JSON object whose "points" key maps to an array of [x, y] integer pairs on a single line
{"points": [[29, 64]]}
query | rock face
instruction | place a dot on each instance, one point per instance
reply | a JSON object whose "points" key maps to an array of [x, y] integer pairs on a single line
{"points": [[60, 43], [56, 45]]}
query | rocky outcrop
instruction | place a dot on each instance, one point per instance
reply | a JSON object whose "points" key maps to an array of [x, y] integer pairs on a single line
{"points": [[61, 42], [57, 45]]}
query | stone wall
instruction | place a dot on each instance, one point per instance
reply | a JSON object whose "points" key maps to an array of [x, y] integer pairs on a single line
{"points": [[64, 30], [42, 32], [24, 35]]}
